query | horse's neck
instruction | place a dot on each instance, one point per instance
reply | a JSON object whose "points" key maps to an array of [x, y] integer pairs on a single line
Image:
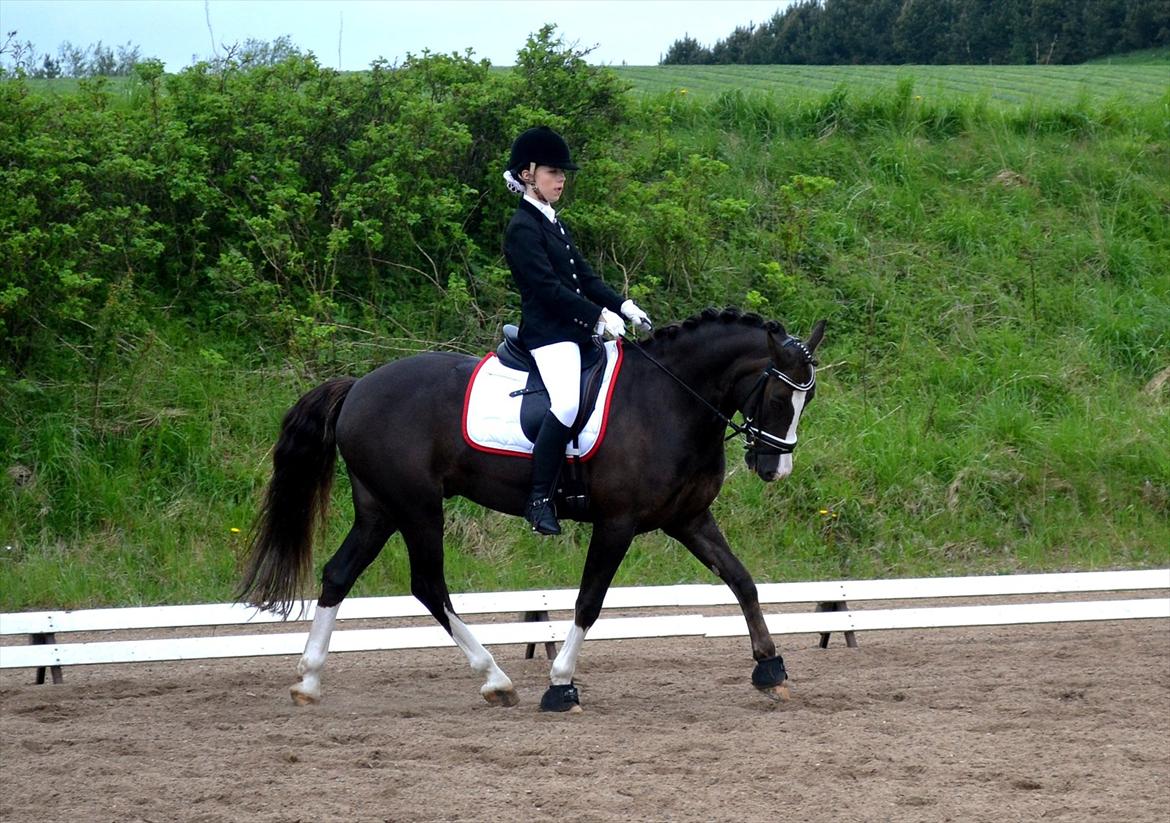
{"points": [[715, 365]]}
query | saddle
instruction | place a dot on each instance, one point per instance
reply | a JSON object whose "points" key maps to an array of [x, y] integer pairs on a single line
{"points": [[536, 401]]}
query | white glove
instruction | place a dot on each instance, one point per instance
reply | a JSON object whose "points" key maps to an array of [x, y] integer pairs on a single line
{"points": [[636, 316], [611, 323]]}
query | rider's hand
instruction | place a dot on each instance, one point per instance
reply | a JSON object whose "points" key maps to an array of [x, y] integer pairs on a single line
{"points": [[611, 323], [636, 316]]}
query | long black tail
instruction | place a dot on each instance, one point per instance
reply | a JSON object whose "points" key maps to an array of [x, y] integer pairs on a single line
{"points": [[280, 555]]}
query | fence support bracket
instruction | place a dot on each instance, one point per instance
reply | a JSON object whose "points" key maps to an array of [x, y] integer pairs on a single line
{"points": [[41, 639], [550, 648], [836, 606]]}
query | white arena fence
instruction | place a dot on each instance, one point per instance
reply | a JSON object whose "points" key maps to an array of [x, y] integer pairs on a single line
{"points": [[833, 614]]}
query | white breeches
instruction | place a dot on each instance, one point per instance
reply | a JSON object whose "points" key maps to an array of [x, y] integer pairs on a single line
{"points": [[560, 369]]}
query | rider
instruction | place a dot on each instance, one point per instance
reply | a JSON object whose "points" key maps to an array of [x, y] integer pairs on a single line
{"points": [[563, 303]]}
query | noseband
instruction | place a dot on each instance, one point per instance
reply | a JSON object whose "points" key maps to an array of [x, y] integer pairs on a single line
{"points": [[756, 441]]}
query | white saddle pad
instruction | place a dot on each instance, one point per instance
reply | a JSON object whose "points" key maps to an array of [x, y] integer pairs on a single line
{"points": [[491, 417]]}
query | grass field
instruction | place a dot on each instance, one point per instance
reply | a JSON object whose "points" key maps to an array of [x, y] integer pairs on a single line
{"points": [[1140, 77], [1009, 85]]}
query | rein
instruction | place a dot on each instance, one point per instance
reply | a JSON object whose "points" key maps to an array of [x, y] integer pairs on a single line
{"points": [[755, 439]]}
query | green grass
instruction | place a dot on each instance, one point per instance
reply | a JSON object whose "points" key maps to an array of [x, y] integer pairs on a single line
{"points": [[1005, 85], [1155, 55]]}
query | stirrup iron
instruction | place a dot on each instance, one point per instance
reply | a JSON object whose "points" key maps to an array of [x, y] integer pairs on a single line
{"points": [[541, 515]]}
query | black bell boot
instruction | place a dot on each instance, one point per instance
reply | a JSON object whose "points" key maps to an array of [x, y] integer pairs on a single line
{"points": [[548, 455]]}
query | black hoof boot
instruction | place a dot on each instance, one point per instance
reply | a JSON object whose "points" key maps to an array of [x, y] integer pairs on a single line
{"points": [[561, 699], [770, 678], [541, 515], [769, 672]]}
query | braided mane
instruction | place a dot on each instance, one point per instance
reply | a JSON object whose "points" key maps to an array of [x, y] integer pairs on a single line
{"points": [[711, 316]]}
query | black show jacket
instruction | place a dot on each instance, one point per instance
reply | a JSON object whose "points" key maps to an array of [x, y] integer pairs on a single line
{"points": [[560, 295]]}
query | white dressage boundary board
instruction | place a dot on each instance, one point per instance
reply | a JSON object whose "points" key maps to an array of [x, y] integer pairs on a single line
{"points": [[627, 597], [51, 653], [618, 628]]}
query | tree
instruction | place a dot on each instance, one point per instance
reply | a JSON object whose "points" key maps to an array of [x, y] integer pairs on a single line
{"points": [[129, 56], [940, 31], [686, 52], [795, 31], [72, 59], [923, 31], [735, 48], [1147, 24], [856, 31], [988, 32], [49, 69]]}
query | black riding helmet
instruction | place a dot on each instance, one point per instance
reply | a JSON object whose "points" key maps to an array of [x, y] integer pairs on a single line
{"points": [[542, 146]]}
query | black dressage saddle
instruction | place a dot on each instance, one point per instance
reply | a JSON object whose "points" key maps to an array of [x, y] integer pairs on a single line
{"points": [[536, 401]]}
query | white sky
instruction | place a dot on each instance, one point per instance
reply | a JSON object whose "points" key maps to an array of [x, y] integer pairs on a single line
{"points": [[637, 32]]}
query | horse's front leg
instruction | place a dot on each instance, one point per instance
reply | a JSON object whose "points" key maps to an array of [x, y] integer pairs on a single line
{"points": [[702, 537], [607, 547]]}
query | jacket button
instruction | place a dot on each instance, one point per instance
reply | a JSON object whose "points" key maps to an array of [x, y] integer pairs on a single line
{"points": [[566, 248], [578, 291], [574, 277], [571, 260]]}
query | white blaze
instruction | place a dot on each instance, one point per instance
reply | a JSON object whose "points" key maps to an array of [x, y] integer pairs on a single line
{"points": [[785, 466]]}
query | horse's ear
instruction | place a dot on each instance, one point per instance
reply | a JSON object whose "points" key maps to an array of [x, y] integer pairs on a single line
{"points": [[814, 337], [775, 350]]}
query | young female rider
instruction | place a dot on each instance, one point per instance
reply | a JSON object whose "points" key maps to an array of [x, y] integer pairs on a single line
{"points": [[563, 303]]}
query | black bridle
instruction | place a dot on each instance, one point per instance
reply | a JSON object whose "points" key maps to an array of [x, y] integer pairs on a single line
{"points": [[756, 441]]}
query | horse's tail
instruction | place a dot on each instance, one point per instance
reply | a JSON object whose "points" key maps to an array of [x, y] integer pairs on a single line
{"points": [[280, 556]]}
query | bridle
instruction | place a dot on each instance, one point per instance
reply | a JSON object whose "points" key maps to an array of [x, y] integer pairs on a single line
{"points": [[757, 442]]}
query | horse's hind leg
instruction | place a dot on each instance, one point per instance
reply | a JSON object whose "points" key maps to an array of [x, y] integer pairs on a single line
{"points": [[424, 543], [370, 531], [702, 537]]}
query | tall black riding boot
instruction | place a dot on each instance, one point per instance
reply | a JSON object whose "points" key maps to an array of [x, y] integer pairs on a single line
{"points": [[548, 455]]}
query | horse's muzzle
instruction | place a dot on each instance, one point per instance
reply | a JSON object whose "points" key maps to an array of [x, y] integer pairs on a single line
{"points": [[769, 467]]}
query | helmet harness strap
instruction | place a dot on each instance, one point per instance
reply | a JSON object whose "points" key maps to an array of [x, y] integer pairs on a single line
{"points": [[532, 183]]}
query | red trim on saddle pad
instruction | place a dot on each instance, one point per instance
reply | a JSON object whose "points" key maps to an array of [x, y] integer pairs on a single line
{"points": [[617, 367]]}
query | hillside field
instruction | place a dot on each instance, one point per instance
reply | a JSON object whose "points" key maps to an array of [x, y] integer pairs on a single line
{"points": [[1006, 85], [188, 254]]}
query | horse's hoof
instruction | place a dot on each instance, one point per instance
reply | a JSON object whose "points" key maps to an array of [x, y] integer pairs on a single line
{"points": [[501, 697], [561, 699], [778, 693], [302, 698]]}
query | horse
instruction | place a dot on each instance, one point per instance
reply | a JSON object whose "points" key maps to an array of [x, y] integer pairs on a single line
{"points": [[660, 466]]}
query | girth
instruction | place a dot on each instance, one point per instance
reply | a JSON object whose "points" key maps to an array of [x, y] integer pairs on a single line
{"points": [[536, 400]]}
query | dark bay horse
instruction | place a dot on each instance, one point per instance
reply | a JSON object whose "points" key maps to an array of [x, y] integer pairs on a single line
{"points": [[660, 467]]}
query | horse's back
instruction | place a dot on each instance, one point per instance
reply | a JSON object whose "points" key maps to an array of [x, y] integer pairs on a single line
{"points": [[422, 380], [404, 399]]}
